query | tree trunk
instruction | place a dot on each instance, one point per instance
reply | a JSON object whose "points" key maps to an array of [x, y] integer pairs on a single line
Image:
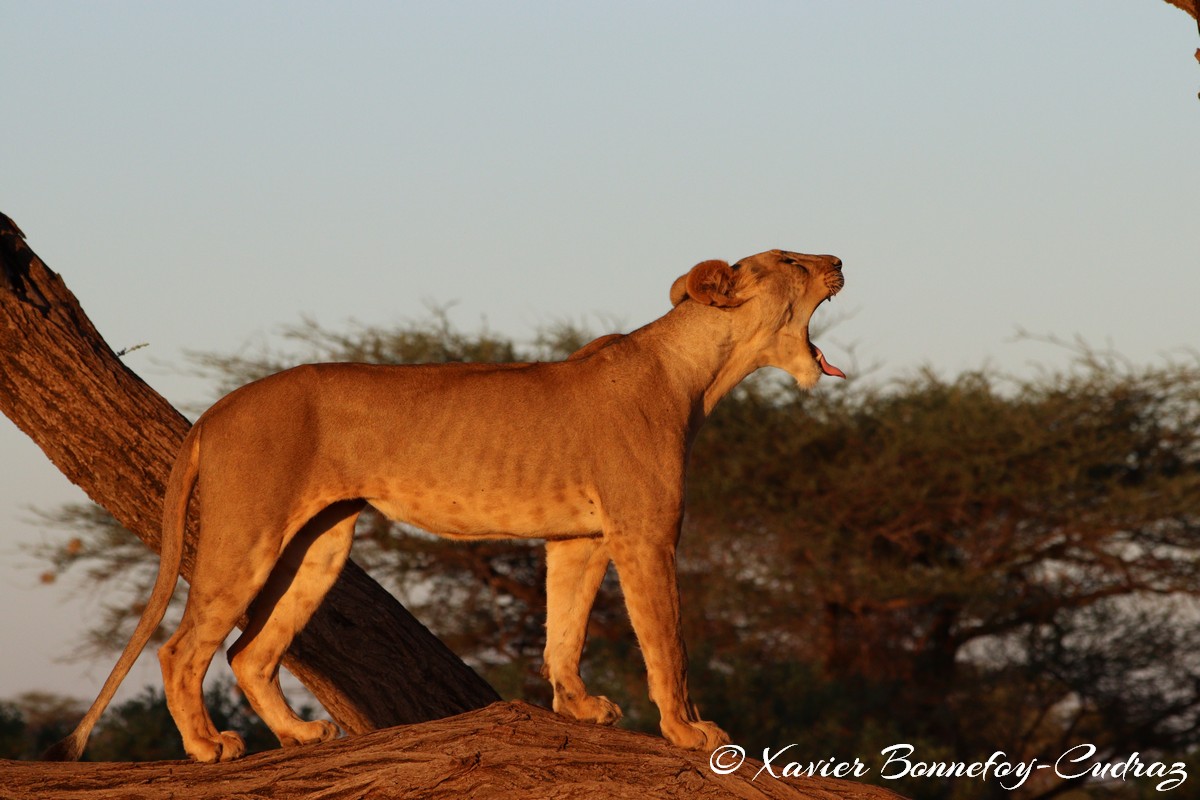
{"points": [[369, 662], [508, 750]]}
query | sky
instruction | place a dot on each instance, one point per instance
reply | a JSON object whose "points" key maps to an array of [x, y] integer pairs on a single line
{"points": [[202, 175]]}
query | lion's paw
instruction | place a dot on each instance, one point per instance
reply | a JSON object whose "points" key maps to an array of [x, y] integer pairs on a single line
{"points": [[231, 746], [587, 708], [225, 747], [597, 709], [694, 735], [309, 733]]}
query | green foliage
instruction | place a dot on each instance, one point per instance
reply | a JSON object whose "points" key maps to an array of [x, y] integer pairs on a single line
{"points": [[968, 565], [33, 721], [972, 564], [12, 731]]}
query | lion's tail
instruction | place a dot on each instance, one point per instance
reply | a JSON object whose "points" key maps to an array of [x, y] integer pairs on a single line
{"points": [[175, 504]]}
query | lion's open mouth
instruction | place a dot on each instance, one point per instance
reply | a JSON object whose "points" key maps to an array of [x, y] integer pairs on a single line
{"points": [[826, 367]]}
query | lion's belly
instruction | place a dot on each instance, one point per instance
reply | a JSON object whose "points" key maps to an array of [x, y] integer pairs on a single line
{"points": [[483, 514]]}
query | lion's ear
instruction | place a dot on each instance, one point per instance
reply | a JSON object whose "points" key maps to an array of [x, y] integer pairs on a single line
{"points": [[679, 290], [713, 283]]}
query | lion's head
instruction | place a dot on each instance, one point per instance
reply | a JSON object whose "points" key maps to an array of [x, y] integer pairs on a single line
{"points": [[774, 295]]}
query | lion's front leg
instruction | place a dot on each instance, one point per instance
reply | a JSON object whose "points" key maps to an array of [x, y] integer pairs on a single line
{"points": [[646, 565], [574, 571]]}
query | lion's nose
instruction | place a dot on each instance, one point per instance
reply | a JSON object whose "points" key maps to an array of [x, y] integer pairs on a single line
{"points": [[837, 262]]}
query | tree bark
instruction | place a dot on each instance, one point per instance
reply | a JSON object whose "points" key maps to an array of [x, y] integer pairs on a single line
{"points": [[508, 750], [368, 661]]}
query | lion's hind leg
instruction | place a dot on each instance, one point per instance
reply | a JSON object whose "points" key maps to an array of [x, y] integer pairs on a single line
{"points": [[309, 566], [574, 571], [185, 658], [223, 583]]}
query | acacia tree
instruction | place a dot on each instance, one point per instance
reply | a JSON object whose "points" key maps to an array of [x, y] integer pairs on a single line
{"points": [[971, 564]]}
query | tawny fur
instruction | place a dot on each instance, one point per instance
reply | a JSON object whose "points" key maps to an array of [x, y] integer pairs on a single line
{"points": [[588, 453]]}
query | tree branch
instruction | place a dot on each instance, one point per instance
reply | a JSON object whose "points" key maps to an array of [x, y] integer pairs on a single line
{"points": [[506, 751]]}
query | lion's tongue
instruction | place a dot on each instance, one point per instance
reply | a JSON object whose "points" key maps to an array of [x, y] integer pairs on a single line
{"points": [[826, 367]]}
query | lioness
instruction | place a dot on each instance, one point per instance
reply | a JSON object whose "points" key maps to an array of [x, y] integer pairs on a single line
{"points": [[588, 453]]}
